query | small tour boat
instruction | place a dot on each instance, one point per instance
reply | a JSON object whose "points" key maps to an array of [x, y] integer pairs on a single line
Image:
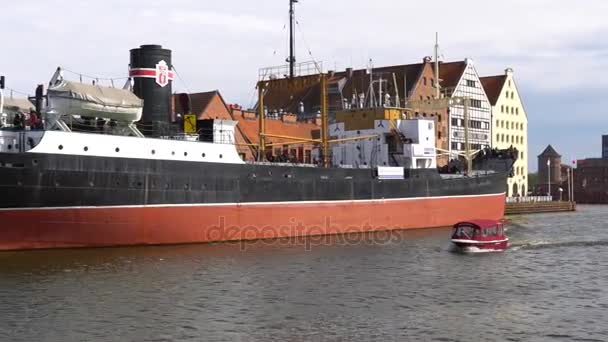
{"points": [[480, 236]]}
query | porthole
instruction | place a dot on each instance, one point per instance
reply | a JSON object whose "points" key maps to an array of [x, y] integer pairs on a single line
{"points": [[139, 184], [173, 153], [35, 162], [86, 148], [117, 150], [185, 154], [60, 147], [10, 147], [221, 156], [153, 152], [203, 155]]}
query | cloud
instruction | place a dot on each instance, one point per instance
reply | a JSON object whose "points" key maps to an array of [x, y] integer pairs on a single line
{"points": [[557, 49]]}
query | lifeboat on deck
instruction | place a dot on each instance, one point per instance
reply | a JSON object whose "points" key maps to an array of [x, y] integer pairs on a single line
{"points": [[480, 236], [74, 98]]}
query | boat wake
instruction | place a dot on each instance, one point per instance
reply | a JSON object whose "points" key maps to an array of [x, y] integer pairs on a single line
{"points": [[556, 244]]}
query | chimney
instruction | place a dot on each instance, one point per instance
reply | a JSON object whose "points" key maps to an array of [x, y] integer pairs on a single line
{"points": [[349, 72]]}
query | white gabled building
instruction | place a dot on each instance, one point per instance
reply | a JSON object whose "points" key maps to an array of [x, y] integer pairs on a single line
{"points": [[460, 79], [509, 126]]}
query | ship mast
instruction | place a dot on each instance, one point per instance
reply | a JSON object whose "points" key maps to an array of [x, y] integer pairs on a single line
{"points": [[292, 41], [437, 80]]}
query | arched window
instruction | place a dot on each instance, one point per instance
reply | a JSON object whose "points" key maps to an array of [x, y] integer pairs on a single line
{"points": [[517, 111], [502, 108], [424, 80]]}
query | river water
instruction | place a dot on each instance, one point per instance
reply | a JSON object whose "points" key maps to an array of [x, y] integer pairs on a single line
{"points": [[552, 285]]}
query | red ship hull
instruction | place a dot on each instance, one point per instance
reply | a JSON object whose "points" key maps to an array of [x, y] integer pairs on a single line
{"points": [[46, 228]]}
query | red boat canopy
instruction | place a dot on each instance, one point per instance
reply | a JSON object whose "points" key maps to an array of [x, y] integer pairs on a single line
{"points": [[481, 224]]}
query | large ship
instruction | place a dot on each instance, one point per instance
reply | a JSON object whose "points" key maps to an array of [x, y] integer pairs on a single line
{"points": [[125, 177]]}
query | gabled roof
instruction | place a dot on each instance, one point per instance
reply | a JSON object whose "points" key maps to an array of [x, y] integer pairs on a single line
{"points": [[493, 86], [348, 81], [450, 73], [550, 152], [199, 101]]}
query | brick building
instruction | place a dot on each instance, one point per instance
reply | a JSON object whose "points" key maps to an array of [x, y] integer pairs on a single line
{"points": [[349, 89], [211, 105]]}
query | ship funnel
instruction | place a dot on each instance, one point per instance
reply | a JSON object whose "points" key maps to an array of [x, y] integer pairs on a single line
{"points": [[152, 73]]}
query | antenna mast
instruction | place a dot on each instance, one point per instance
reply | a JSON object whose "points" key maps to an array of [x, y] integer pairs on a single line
{"points": [[292, 41], [437, 84]]}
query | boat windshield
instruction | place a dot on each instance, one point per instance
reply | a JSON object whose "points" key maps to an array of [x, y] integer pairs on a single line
{"points": [[464, 232]]}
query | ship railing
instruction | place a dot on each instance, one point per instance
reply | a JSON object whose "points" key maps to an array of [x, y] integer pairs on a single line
{"points": [[303, 165]]}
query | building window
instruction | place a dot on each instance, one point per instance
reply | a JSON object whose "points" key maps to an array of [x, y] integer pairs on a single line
{"points": [[432, 82], [512, 95], [502, 108], [497, 137], [454, 122], [517, 111], [476, 103], [471, 83], [522, 155], [424, 80], [509, 83], [512, 110], [438, 117]]}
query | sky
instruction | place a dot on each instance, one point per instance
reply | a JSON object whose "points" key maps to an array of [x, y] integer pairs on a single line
{"points": [[558, 49]]}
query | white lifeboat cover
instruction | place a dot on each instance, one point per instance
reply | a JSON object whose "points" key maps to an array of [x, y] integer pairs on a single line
{"points": [[92, 100], [15, 104]]}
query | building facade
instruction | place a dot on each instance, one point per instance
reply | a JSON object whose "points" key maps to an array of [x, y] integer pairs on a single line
{"points": [[509, 126], [211, 105], [549, 173], [460, 79]]}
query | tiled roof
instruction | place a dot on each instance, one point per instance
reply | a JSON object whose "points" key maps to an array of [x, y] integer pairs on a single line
{"points": [[352, 82], [493, 87], [250, 128], [199, 101], [451, 73]]}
